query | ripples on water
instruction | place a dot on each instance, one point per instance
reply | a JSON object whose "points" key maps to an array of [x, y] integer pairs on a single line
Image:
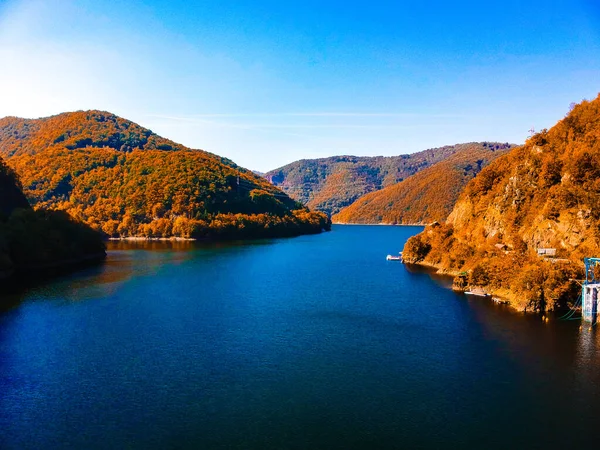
{"points": [[310, 342]]}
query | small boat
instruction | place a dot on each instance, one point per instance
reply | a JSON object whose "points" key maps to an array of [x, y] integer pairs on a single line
{"points": [[394, 258], [478, 292]]}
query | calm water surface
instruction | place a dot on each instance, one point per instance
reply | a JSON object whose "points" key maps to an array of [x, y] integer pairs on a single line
{"points": [[312, 342]]}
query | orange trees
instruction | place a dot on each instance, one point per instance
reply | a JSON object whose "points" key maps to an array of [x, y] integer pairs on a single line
{"points": [[124, 180], [545, 194]]}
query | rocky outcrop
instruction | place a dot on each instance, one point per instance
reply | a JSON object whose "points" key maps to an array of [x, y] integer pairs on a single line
{"points": [[544, 194]]}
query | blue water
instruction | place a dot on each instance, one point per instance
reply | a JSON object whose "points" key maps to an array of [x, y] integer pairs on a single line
{"points": [[311, 342]]}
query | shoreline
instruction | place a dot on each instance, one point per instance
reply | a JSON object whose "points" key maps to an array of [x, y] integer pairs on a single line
{"points": [[384, 224], [156, 239], [218, 238], [503, 294]]}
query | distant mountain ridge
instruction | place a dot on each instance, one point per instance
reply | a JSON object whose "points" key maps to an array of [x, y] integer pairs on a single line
{"points": [[124, 180], [330, 184], [427, 196]]}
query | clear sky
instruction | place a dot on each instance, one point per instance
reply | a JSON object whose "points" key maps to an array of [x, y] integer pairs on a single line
{"points": [[269, 82]]}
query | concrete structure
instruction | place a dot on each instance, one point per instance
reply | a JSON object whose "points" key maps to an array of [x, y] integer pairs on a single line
{"points": [[590, 294]]}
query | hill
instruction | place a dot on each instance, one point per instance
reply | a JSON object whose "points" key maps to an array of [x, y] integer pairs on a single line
{"points": [[545, 194], [39, 240], [11, 195], [427, 196], [330, 184], [124, 180]]}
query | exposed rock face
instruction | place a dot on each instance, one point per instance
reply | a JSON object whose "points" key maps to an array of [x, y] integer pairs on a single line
{"points": [[545, 194]]}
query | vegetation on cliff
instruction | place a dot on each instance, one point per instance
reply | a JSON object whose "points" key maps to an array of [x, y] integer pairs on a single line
{"points": [[124, 180], [330, 184], [427, 196], [11, 194], [545, 194], [39, 239]]}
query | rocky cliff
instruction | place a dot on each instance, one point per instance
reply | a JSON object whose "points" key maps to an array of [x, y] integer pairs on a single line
{"points": [[544, 194]]}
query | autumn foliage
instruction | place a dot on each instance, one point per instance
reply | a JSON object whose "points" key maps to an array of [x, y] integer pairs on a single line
{"points": [[545, 194], [427, 196], [124, 180], [330, 184]]}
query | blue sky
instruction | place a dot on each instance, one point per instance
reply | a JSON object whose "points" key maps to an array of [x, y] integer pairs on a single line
{"points": [[267, 83]]}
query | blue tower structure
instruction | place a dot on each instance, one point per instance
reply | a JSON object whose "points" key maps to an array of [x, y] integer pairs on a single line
{"points": [[591, 290]]}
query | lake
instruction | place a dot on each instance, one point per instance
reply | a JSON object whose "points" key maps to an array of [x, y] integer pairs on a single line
{"points": [[314, 342]]}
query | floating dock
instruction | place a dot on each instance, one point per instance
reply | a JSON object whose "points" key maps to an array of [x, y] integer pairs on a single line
{"points": [[394, 258]]}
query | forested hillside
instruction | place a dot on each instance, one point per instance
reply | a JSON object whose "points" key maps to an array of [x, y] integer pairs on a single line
{"points": [[34, 240], [124, 180], [330, 184], [427, 196], [11, 195], [545, 194]]}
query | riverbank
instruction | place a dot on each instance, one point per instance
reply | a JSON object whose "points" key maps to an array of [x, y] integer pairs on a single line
{"points": [[231, 235], [384, 224], [157, 328], [152, 239], [514, 301]]}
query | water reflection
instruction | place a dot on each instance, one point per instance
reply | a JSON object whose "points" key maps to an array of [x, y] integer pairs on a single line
{"points": [[125, 260], [561, 348], [316, 341], [587, 356], [441, 279], [151, 245], [182, 246], [98, 280]]}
